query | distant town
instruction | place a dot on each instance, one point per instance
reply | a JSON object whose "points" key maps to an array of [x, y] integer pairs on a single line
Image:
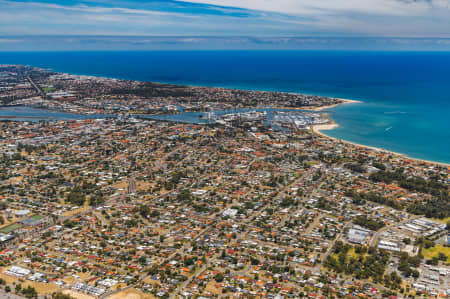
{"points": [[34, 87], [239, 204]]}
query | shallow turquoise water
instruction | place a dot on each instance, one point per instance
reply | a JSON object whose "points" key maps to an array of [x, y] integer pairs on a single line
{"points": [[406, 94], [401, 129]]}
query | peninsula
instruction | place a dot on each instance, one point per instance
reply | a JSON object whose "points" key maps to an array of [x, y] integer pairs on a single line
{"points": [[246, 203]]}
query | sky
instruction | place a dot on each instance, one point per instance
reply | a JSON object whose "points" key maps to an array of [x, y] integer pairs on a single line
{"points": [[192, 24]]}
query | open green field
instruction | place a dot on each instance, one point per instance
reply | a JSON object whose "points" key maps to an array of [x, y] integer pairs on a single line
{"points": [[434, 251], [49, 89], [10, 228], [444, 221], [351, 254]]}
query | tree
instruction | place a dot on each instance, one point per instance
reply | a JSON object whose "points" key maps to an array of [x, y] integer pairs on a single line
{"points": [[434, 261], [356, 167], [144, 211], [76, 197], [442, 256], [218, 277], [372, 224], [380, 166], [60, 295], [30, 292], [254, 261], [184, 195], [96, 200]]}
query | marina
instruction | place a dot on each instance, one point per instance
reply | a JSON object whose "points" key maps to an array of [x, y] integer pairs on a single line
{"points": [[287, 118]]}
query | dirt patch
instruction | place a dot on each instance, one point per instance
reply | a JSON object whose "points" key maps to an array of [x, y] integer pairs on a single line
{"points": [[131, 294], [211, 288], [9, 279], [74, 212], [42, 288], [77, 295]]}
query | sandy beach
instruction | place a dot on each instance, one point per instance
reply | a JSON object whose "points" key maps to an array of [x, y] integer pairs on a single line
{"points": [[317, 129], [344, 101]]}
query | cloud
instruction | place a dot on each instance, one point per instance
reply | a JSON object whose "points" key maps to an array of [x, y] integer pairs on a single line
{"points": [[353, 17], [430, 18], [50, 18], [441, 3], [315, 7]]}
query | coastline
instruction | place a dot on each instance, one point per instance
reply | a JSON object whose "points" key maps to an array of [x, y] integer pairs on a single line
{"points": [[321, 108], [343, 101], [317, 129]]}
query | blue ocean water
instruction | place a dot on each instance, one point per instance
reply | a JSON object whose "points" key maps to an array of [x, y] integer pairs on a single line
{"points": [[406, 95]]}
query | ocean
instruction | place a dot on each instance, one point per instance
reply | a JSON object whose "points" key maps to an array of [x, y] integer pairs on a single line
{"points": [[405, 95]]}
